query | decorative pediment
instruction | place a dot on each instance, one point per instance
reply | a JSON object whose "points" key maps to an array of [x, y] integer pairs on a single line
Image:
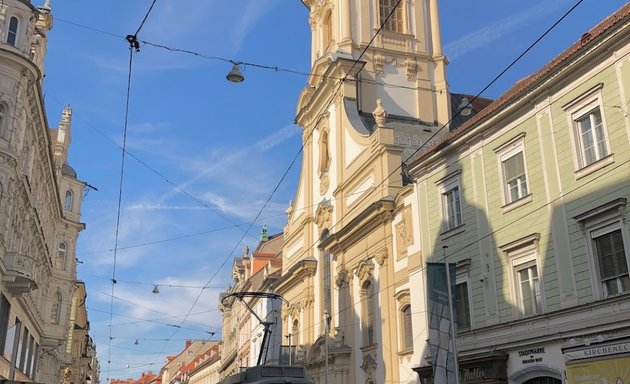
{"points": [[365, 270], [323, 215]]}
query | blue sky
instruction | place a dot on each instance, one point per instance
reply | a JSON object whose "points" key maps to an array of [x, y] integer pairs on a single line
{"points": [[226, 145]]}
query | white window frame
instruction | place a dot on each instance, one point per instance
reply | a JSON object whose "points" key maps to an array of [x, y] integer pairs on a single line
{"points": [[575, 110], [504, 152], [598, 222], [447, 185], [523, 254], [403, 299], [463, 276]]}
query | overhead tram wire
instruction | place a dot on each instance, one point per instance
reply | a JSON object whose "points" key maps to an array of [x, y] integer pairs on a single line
{"points": [[133, 46], [273, 68], [160, 175], [339, 85], [566, 14], [396, 170]]}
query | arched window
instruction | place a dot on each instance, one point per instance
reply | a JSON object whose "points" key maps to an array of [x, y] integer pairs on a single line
{"points": [[326, 30], [55, 311], [369, 338], [13, 30], [407, 331], [295, 333], [62, 256], [68, 202], [395, 21]]}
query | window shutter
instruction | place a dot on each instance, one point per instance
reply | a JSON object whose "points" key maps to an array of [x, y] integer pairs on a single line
{"points": [[611, 255]]}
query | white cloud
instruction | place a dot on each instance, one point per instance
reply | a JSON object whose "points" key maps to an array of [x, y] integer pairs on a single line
{"points": [[493, 32]]}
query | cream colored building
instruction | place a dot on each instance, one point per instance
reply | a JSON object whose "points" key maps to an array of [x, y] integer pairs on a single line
{"points": [[84, 368], [40, 204], [243, 332], [206, 367], [348, 244]]}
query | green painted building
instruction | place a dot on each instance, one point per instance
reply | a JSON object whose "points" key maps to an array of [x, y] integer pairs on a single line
{"points": [[531, 198]]}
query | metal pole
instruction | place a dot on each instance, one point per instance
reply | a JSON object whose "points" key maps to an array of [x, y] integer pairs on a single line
{"points": [[289, 336], [326, 326], [453, 337]]}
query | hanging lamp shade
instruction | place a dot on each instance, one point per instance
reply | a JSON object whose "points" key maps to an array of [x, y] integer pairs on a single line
{"points": [[156, 290], [235, 75]]}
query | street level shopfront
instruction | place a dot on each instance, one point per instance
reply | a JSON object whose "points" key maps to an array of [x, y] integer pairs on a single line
{"points": [[606, 362]]}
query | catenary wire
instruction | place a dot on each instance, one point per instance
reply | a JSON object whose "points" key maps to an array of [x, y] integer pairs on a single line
{"points": [[120, 193], [396, 170], [339, 85]]}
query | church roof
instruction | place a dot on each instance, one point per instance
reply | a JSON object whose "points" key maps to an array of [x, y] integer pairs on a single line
{"points": [[67, 170]]}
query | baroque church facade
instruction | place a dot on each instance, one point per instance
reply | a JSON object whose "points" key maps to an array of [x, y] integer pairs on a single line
{"points": [[348, 244]]}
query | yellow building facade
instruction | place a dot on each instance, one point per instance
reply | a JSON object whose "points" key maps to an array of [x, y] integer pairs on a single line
{"points": [[377, 92]]}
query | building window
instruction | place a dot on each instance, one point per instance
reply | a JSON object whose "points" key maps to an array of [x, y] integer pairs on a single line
{"points": [[68, 201], [407, 327], [608, 244], [295, 332], [28, 368], [526, 282], [35, 352], [405, 321], [326, 277], [13, 333], [13, 30], [62, 256], [514, 177], [511, 156], [24, 351], [612, 262], [327, 31], [591, 136], [529, 288], [451, 208], [462, 307], [395, 21], [367, 299], [5, 310], [55, 311], [588, 127], [4, 130]]}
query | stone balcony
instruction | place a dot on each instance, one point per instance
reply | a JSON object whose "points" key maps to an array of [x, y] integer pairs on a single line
{"points": [[19, 273]]}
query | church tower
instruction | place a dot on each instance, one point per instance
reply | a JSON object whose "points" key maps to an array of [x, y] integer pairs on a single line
{"points": [[403, 64], [377, 93]]}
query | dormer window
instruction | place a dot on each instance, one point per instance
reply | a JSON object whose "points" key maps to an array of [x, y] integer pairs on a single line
{"points": [[68, 202], [13, 30]]}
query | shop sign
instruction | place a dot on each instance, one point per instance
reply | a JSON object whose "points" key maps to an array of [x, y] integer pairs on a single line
{"points": [[600, 371], [604, 350], [472, 374], [529, 356]]}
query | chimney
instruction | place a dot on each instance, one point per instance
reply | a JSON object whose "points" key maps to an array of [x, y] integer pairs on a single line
{"points": [[188, 342]]}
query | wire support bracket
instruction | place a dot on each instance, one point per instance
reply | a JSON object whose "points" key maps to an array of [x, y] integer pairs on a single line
{"points": [[133, 42]]}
